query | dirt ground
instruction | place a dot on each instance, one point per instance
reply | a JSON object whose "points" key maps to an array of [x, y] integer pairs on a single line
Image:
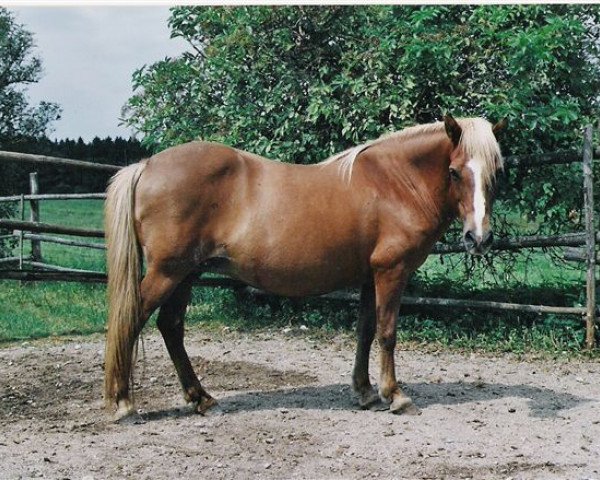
{"points": [[287, 411]]}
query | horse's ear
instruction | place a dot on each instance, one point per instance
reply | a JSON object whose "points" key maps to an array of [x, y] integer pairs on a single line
{"points": [[501, 125], [452, 129]]}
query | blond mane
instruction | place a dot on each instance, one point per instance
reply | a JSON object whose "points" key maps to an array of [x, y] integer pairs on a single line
{"points": [[477, 140]]}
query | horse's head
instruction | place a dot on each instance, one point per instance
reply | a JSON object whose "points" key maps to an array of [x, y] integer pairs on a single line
{"points": [[474, 160]]}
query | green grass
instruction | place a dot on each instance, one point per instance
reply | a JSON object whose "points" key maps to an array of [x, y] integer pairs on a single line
{"points": [[72, 213], [36, 310]]}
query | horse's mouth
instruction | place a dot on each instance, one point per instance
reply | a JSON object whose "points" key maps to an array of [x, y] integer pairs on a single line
{"points": [[477, 250], [478, 246]]}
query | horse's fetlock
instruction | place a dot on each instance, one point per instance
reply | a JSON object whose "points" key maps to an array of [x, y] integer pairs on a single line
{"points": [[385, 395], [192, 394]]}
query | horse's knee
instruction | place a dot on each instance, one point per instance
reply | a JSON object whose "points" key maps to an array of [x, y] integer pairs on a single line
{"points": [[387, 341]]}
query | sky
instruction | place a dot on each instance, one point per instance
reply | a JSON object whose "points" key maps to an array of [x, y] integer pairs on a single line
{"points": [[89, 55]]}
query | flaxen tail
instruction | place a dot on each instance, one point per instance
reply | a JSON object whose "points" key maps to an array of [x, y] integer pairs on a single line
{"points": [[124, 263]]}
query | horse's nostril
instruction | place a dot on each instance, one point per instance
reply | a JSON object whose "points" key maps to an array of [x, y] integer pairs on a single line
{"points": [[470, 237], [488, 239]]}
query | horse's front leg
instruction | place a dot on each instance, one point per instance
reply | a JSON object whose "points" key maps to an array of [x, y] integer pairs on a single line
{"points": [[365, 333], [389, 285]]}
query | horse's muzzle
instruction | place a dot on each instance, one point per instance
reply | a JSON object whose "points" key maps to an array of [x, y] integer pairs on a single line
{"points": [[478, 245]]}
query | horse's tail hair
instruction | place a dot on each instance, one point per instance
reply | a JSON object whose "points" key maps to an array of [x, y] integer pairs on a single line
{"points": [[124, 264]]}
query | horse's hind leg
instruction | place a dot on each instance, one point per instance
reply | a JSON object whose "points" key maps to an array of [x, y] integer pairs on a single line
{"points": [[365, 332], [155, 288], [170, 324]]}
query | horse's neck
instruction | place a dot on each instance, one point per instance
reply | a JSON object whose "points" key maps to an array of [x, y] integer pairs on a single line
{"points": [[418, 168]]}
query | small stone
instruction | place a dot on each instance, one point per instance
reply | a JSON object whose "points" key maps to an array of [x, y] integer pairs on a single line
{"points": [[512, 410], [267, 466]]}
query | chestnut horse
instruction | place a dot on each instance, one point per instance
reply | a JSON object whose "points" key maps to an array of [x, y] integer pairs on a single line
{"points": [[367, 217]]}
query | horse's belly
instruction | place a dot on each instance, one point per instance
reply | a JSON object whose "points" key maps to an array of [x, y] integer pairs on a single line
{"points": [[300, 275], [296, 283]]}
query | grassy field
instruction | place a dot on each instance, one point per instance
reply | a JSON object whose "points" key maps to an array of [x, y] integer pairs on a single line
{"points": [[35, 310]]}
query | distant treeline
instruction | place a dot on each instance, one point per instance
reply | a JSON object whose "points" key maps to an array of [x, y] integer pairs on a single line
{"points": [[55, 179]]}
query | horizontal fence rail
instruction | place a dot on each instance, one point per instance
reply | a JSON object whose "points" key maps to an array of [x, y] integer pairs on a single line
{"points": [[61, 241], [461, 303], [53, 276], [9, 260], [518, 243], [55, 196], [50, 228], [67, 162], [58, 268], [81, 276]]}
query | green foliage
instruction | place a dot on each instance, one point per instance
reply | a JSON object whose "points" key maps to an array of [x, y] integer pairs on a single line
{"points": [[19, 67], [300, 83]]}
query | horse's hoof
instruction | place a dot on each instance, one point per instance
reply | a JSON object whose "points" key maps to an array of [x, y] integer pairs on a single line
{"points": [[404, 406], [130, 419], [369, 400], [125, 412], [215, 411], [204, 404], [378, 406], [128, 416]]}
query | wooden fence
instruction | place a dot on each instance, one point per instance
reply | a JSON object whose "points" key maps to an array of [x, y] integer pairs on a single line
{"points": [[36, 232]]}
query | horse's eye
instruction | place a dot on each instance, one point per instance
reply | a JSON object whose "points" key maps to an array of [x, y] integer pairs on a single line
{"points": [[454, 175]]}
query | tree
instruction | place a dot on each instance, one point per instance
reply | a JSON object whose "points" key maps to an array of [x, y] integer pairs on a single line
{"points": [[59, 179], [18, 119], [300, 83], [19, 67]]}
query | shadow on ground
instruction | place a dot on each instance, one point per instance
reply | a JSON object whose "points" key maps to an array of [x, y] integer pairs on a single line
{"points": [[542, 402]]}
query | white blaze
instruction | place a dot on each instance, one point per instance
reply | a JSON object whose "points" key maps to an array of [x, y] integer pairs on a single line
{"points": [[478, 195]]}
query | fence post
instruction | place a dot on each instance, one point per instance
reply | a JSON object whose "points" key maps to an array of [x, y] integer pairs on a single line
{"points": [[36, 246], [590, 250], [22, 208]]}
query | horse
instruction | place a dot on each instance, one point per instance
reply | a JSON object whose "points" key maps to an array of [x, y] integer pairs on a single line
{"points": [[367, 218]]}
